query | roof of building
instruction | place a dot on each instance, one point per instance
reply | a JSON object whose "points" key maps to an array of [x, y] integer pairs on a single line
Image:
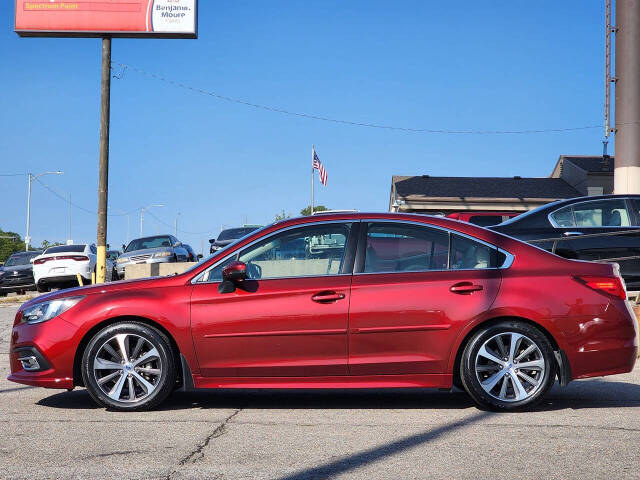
{"points": [[426, 186], [590, 163]]}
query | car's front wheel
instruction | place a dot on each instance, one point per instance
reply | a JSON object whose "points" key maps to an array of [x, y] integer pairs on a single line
{"points": [[129, 366], [508, 366]]}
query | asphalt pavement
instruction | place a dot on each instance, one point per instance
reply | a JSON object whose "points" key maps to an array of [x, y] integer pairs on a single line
{"points": [[588, 430]]}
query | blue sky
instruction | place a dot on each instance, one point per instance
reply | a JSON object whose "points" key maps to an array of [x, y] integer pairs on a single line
{"points": [[468, 65]]}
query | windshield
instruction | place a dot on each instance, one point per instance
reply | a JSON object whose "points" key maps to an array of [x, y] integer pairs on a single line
{"points": [[22, 259], [233, 233], [149, 242], [66, 248], [518, 218]]}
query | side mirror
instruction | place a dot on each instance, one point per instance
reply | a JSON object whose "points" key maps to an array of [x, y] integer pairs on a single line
{"points": [[200, 256], [235, 272], [124, 247]]}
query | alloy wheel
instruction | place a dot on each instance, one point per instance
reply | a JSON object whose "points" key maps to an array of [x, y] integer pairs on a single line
{"points": [[127, 367], [510, 367]]}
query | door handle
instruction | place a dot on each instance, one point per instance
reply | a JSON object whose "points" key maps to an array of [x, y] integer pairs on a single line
{"points": [[465, 288], [572, 234], [327, 297]]}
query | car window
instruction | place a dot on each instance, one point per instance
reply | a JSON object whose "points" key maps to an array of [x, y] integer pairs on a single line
{"points": [[393, 247], [149, 242], [563, 217], [467, 254], [603, 213], [66, 249], [306, 251], [485, 220]]}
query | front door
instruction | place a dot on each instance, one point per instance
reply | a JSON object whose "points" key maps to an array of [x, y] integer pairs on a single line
{"points": [[416, 288], [290, 318]]}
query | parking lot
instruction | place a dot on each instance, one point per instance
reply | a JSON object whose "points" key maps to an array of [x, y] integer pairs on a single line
{"points": [[589, 430]]}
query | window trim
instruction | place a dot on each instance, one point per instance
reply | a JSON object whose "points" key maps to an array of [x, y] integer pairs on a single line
{"points": [[625, 200], [353, 232], [360, 255]]}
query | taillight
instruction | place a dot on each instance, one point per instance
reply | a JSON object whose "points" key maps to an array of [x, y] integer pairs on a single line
{"points": [[40, 261], [611, 285], [80, 258], [77, 258]]}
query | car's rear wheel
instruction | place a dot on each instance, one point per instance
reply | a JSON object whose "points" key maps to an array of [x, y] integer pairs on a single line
{"points": [[42, 288], [129, 366], [508, 366]]}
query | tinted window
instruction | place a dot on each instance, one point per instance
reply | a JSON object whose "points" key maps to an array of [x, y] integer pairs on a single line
{"points": [[66, 248], [306, 251], [485, 220], [395, 247], [563, 217], [93, 249], [603, 213], [467, 254], [20, 259], [149, 242], [234, 233]]}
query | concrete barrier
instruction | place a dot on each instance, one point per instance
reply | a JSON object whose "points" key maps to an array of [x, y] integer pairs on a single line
{"points": [[145, 270]]}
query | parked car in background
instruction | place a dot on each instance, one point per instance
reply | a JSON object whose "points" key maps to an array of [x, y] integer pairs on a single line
{"points": [[586, 228], [113, 255], [230, 235], [483, 219], [60, 266], [193, 256], [16, 275], [396, 301], [155, 249]]}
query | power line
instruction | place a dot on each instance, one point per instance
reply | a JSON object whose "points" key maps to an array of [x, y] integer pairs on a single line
{"points": [[311, 116], [147, 212]]}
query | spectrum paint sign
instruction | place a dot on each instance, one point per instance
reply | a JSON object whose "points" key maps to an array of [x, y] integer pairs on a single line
{"points": [[116, 18]]}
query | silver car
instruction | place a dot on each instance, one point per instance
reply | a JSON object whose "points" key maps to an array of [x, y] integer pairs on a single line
{"points": [[156, 249]]}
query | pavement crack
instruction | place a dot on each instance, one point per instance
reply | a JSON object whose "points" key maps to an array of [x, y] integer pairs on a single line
{"points": [[196, 454], [110, 454]]}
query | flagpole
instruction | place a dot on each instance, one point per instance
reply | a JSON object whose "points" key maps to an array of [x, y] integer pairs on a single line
{"points": [[313, 151]]}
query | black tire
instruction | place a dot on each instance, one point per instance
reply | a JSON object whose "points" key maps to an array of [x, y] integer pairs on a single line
{"points": [[42, 288], [497, 399], [163, 383], [3, 294]]}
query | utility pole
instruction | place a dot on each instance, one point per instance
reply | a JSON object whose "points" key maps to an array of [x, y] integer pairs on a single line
{"points": [[70, 237], [103, 175], [30, 178], [627, 97]]}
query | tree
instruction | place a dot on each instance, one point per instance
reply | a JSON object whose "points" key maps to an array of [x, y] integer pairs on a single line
{"points": [[306, 211], [10, 243], [47, 244], [282, 216]]}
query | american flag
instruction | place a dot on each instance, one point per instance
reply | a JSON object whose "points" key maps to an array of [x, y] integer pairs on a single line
{"points": [[317, 164]]}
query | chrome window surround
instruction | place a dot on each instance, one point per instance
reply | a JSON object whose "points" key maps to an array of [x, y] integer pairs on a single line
{"points": [[506, 264], [198, 278], [571, 205]]}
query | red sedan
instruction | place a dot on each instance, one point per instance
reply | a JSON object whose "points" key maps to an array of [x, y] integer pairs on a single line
{"points": [[339, 300]]}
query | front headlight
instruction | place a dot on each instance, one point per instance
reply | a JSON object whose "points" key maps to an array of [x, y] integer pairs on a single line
{"points": [[122, 260], [41, 312], [162, 254]]}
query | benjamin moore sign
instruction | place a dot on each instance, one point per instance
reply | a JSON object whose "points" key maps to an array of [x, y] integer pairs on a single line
{"points": [[117, 18]]}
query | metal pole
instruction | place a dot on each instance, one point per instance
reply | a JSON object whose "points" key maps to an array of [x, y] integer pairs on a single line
{"points": [[27, 238], [313, 151], [141, 220], [128, 228], [70, 217], [103, 176], [627, 97], [607, 73]]}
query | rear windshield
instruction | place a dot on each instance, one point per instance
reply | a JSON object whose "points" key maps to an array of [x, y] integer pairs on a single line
{"points": [[66, 248], [148, 242], [20, 259], [233, 233]]}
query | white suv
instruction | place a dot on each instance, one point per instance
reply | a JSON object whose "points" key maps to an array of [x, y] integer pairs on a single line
{"points": [[59, 266]]}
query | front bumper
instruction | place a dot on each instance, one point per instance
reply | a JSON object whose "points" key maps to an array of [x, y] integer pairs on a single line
{"points": [[16, 283], [54, 344]]}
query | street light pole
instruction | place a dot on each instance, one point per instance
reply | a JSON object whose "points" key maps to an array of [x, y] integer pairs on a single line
{"points": [[142, 215], [31, 178]]}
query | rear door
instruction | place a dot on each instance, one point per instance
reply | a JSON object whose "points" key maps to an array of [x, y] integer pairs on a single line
{"points": [[413, 289]]}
